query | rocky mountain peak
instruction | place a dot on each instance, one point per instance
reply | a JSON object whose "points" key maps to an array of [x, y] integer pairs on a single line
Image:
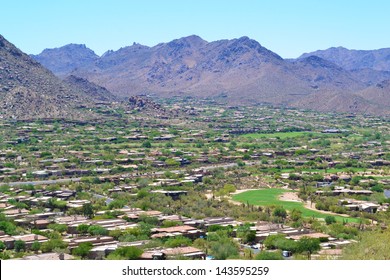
{"points": [[317, 61], [384, 84], [65, 59], [28, 90], [192, 41]]}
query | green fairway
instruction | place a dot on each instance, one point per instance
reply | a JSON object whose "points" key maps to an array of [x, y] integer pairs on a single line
{"points": [[267, 197], [281, 135]]}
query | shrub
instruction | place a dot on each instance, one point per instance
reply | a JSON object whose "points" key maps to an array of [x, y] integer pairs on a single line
{"points": [[269, 256], [330, 220], [126, 253], [19, 245], [83, 249], [178, 242], [97, 230], [52, 244], [2, 246]]}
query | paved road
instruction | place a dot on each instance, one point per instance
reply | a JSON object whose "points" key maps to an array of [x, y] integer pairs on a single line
{"points": [[43, 182]]}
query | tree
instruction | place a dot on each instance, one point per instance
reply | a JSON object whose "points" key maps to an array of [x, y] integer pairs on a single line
{"points": [[169, 223], [20, 245], [147, 144], [280, 212], [269, 256], [143, 182], [246, 234], [178, 242], [213, 228], [82, 229], [83, 249], [172, 162], [142, 193], [117, 204], [201, 243], [295, 215], [229, 188], [293, 177], [36, 246], [330, 220], [58, 227], [288, 245], [308, 245], [97, 230], [2, 246], [126, 253], [250, 237], [52, 244], [223, 249], [8, 227], [279, 241], [53, 203], [377, 188], [87, 210]]}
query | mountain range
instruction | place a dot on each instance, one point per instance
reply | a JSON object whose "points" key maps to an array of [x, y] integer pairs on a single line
{"points": [[238, 71], [30, 91], [355, 59]]}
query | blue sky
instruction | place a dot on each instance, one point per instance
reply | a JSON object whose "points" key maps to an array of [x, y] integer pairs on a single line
{"points": [[288, 28]]}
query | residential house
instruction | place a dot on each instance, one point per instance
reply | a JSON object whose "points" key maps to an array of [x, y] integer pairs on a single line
{"points": [[173, 253], [186, 231]]}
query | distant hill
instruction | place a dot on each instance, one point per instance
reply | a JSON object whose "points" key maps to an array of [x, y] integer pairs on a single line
{"points": [[92, 90], [369, 76], [238, 71], [62, 61], [378, 94], [28, 90], [378, 60]]}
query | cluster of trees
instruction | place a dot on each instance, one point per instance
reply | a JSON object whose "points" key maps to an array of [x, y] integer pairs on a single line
{"points": [[246, 234], [141, 232], [225, 190], [343, 231], [305, 245], [219, 244], [125, 253], [330, 204], [7, 226]]}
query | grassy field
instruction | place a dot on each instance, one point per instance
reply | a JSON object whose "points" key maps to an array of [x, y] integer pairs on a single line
{"points": [[267, 197], [281, 135]]}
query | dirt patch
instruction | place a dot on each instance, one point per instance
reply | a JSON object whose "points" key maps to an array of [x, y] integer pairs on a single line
{"points": [[243, 190], [209, 195], [290, 196]]}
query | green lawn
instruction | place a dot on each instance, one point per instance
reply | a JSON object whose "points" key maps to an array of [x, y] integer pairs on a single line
{"points": [[281, 135], [267, 197]]}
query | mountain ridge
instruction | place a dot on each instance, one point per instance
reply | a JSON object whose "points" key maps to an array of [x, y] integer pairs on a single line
{"points": [[241, 70], [350, 59], [71, 56], [30, 91]]}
